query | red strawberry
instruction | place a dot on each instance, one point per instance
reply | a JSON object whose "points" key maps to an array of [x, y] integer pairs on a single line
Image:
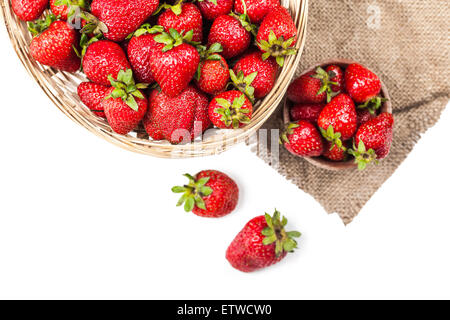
{"points": [[212, 9], [361, 84], [336, 75], [335, 153], [119, 18], [305, 89], [231, 34], [255, 76], [183, 17], [150, 125], [261, 243], [210, 194], [313, 87], [92, 94], [307, 112], [256, 9], [364, 115], [373, 140], [337, 121], [177, 119], [277, 35], [201, 117], [104, 58], [302, 138], [230, 110], [212, 73], [61, 7], [125, 105], [174, 63], [29, 10], [53, 44], [170, 118], [140, 50]]}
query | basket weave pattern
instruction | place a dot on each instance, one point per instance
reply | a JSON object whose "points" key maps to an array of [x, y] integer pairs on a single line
{"points": [[61, 88]]}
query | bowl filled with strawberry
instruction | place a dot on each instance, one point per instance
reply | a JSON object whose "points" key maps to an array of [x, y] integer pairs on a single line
{"points": [[338, 116], [154, 77]]}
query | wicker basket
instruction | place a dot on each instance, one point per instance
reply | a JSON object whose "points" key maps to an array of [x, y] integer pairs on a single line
{"points": [[61, 88]]}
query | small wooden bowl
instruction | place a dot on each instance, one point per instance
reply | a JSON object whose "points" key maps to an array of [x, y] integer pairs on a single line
{"points": [[322, 162]]}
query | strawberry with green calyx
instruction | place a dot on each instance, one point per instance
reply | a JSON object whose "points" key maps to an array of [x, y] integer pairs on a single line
{"points": [[305, 89], [277, 48], [373, 140], [336, 75], [317, 86], [373, 104], [333, 153], [363, 156], [92, 25], [140, 50], [361, 84], [38, 26], [54, 44], [261, 243], [231, 34], [277, 35], [118, 18], [245, 22], [212, 9], [210, 194], [182, 17], [334, 138], [302, 139], [146, 28], [173, 38], [174, 61], [85, 41], [340, 113], [326, 83], [67, 9], [210, 53], [103, 58], [264, 73], [176, 7], [256, 9], [92, 94], [212, 73], [230, 110], [193, 193], [126, 89], [244, 83], [125, 105]]}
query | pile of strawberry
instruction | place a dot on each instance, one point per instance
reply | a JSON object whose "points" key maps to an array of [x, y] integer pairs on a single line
{"points": [[165, 65], [336, 116]]}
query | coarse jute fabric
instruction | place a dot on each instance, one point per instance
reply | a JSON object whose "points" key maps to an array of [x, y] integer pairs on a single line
{"points": [[407, 44]]}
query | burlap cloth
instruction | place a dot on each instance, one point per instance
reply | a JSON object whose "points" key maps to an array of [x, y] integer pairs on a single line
{"points": [[406, 42]]}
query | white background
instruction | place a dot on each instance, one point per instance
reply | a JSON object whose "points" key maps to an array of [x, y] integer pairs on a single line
{"points": [[81, 218]]}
